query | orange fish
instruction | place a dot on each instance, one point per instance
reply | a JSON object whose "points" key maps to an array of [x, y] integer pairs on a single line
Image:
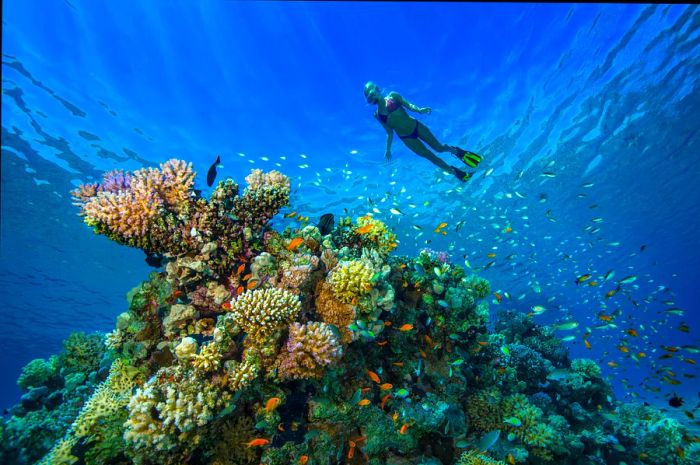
{"points": [[384, 399], [247, 277], [498, 296], [303, 460], [441, 225], [351, 452], [176, 294], [592, 283], [387, 323], [226, 305], [364, 229], [385, 386], [272, 404], [240, 269], [690, 360], [406, 327], [365, 390], [373, 376], [641, 354], [257, 442], [363, 402], [382, 343], [483, 343], [240, 290], [508, 229], [632, 332], [444, 233], [252, 284], [623, 349], [422, 353], [295, 243], [610, 293], [587, 344], [404, 428], [397, 364], [605, 317]]}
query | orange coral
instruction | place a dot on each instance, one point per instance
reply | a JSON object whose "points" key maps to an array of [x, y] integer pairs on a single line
{"points": [[333, 311]]}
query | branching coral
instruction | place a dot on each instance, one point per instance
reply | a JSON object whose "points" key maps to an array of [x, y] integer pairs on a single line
{"points": [[163, 416], [261, 200], [126, 207], [208, 358], [309, 350], [262, 312], [475, 458]]}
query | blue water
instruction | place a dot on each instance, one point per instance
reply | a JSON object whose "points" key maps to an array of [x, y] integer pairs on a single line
{"points": [[601, 94]]}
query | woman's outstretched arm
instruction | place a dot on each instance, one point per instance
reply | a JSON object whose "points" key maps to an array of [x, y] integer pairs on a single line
{"points": [[409, 105]]}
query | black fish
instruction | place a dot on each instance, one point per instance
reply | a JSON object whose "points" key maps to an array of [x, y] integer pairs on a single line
{"points": [[675, 401], [154, 259], [211, 174], [326, 223]]}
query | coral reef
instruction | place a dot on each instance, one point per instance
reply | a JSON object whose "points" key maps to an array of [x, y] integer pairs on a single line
{"points": [[258, 346], [310, 348]]}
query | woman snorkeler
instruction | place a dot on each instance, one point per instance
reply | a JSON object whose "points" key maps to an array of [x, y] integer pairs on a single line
{"points": [[391, 113]]}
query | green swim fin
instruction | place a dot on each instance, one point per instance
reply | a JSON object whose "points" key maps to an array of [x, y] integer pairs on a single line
{"points": [[470, 158]]}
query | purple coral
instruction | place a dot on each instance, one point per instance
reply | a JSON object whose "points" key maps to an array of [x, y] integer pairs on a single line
{"points": [[309, 350]]}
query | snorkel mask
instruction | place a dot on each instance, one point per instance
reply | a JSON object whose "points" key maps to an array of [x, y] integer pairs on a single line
{"points": [[371, 91]]}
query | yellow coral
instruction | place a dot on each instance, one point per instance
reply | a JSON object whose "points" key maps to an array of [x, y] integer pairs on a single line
{"points": [[473, 457], [351, 280], [61, 453], [208, 358], [108, 399], [262, 312], [162, 414], [332, 311], [376, 233], [241, 374]]}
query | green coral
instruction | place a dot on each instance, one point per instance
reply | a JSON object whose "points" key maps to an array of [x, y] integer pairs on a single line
{"points": [[36, 373], [82, 352]]}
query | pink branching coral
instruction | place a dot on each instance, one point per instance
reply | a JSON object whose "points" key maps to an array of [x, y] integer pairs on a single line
{"points": [[126, 207], [309, 350]]}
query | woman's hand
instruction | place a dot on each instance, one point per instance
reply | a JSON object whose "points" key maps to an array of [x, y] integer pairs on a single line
{"points": [[425, 110], [387, 155]]}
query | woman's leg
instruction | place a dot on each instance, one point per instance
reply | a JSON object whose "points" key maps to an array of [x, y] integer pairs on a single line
{"points": [[419, 148], [425, 134]]}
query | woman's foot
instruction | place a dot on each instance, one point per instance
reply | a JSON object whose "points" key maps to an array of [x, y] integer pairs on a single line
{"points": [[465, 156], [461, 175]]}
